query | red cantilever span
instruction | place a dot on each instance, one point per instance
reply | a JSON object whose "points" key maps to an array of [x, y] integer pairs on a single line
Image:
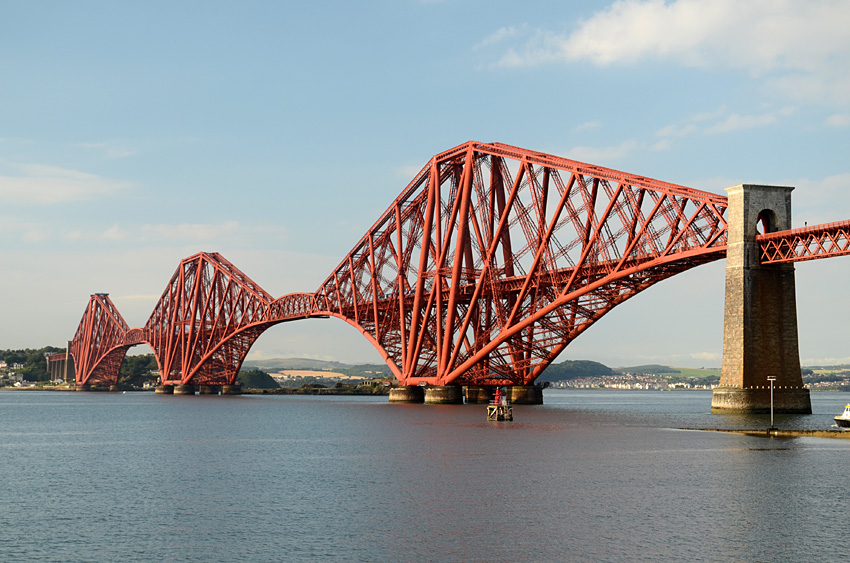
{"points": [[490, 262]]}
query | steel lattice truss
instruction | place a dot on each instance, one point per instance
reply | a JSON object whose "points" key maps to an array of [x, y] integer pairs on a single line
{"points": [[99, 345], [491, 261], [494, 258], [206, 321], [808, 243]]}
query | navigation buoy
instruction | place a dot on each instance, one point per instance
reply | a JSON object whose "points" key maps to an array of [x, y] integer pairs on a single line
{"points": [[499, 408]]}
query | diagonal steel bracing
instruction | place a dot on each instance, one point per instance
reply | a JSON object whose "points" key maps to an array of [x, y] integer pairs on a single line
{"points": [[490, 262]]}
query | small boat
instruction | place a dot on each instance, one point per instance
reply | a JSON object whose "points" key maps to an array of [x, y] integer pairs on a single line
{"points": [[843, 420]]}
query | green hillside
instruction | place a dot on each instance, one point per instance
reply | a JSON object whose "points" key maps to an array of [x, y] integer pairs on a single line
{"points": [[572, 369]]}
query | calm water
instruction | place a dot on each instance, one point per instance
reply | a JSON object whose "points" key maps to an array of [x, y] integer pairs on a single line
{"points": [[590, 476]]}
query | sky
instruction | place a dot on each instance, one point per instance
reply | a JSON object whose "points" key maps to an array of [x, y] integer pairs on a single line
{"points": [[133, 135]]}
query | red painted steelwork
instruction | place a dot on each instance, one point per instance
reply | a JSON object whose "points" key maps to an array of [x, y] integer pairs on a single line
{"points": [[808, 243], [491, 261], [494, 258], [98, 348], [206, 321]]}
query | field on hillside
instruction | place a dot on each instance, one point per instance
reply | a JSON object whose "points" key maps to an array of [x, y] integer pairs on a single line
{"points": [[697, 372], [310, 373]]}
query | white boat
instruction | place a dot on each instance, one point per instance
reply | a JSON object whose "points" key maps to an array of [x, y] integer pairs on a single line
{"points": [[843, 420]]}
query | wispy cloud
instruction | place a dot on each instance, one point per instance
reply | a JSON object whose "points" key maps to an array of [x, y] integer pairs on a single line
{"points": [[721, 121], [796, 46], [196, 232], [838, 120], [44, 184], [706, 356], [111, 149], [210, 232], [587, 126], [114, 233], [608, 156]]}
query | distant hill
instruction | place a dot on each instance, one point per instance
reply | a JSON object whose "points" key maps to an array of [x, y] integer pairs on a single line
{"points": [[364, 371], [572, 369], [277, 364], [649, 369]]}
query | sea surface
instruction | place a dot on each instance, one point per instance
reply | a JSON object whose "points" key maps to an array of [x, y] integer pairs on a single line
{"points": [[589, 476]]}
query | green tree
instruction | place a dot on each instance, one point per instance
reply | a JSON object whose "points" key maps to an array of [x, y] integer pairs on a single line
{"points": [[135, 370], [256, 379]]}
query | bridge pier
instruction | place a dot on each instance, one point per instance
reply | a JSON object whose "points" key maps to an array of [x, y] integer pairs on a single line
{"points": [[760, 315], [184, 389], [164, 390], [477, 394], [82, 387], [444, 395], [407, 394], [525, 395], [209, 389], [235, 389]]}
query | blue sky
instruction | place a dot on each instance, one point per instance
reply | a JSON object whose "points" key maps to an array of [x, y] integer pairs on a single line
{"points": [[276, 133]]}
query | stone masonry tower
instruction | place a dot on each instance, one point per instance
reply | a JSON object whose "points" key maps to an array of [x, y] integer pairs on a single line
{"points": [[760, 320]]}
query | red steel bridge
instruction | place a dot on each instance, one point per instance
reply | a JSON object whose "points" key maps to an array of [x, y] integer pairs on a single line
{"points": [[490, 262]]}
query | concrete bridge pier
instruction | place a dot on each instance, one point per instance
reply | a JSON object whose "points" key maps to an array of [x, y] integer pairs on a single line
{"points": [[477, 394], [525, 395], [209, 389], [184, 389], [407, 394], [235, 389], [82, 387], [760, 316], [164, 390], [444, 395]]}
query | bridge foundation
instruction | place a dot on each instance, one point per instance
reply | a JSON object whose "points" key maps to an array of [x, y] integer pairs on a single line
{"points": [[476, 394], [235, 389], [209, 389], [444, 395], [525, 395], [184, 389], [407, 394], [164, 389], [760, 316], [82, 387]]}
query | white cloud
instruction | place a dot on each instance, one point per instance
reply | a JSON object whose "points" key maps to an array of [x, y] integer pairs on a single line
{"points": [[800, 45], [112, 149], [44, 184], [602, 155], [721, 121], [587, 126], [192, 232], [37, 235], [706, 356], [114, 233], [499, 36], [229, 231], [607, 156], [838, 120], [736, 122]]}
